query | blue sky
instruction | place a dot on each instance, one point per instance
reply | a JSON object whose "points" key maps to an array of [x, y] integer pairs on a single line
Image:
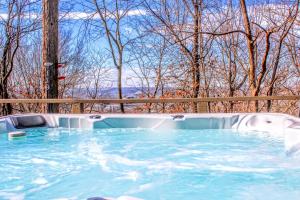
{"points": [[74, 15]]}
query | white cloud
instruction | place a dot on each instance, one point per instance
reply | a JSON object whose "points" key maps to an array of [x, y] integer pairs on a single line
{"points": [[3, 15], [95, 15], [76, 15]]}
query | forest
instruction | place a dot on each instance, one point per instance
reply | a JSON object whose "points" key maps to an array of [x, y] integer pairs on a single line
{"points": [[163, 48]]}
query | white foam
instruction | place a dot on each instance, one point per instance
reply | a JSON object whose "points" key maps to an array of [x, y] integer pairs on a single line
{"points": [[127, 148], [128, 198], [94, 153], [190, 166], [145, 187], [38, 161], [132, 175], [142, 188], [11, 196], [171, 165], [18, 188], [127, 161], [40, 181], [43, 161], [241, 169]]}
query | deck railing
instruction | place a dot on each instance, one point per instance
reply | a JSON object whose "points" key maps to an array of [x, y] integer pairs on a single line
{"points": [[78, 104]]}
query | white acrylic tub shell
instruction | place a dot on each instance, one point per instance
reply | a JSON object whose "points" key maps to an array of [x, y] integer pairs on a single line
{"points": [[273, 124]]}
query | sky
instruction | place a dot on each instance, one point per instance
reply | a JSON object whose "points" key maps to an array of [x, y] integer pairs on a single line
{"points": [[73, 17], [74, 20]]}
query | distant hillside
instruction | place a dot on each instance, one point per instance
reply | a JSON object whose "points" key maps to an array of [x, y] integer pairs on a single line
{"points": [[128, 92]]}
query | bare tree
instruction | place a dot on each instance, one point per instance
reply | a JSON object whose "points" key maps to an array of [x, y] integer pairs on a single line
{"points": [[25, 81], [98, 78], [13, 25], [172, 24], [255, 81], [112, 17], [290, 15], [150, 58]]}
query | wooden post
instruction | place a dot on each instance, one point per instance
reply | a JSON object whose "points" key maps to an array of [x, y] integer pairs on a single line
{"points": [[50, 53], [202, 107], [78, 108]]}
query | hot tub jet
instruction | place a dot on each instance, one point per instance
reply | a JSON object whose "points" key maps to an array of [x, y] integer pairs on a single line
{"points": [[16, 134]]}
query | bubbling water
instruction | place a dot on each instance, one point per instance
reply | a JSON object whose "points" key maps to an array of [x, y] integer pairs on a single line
{"points": [[146, 164]]}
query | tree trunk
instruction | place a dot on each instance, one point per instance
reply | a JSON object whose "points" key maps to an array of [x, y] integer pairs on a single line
{"points": [[120, 88], [273, 77], [250, 45], [196, 56], [50, 53], [6, 109]]}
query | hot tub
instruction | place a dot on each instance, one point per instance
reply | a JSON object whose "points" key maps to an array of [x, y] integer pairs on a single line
{"points": [[186, 156]]}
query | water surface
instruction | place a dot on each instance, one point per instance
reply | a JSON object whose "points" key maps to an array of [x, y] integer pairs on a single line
{"points": [[146, 164]]}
